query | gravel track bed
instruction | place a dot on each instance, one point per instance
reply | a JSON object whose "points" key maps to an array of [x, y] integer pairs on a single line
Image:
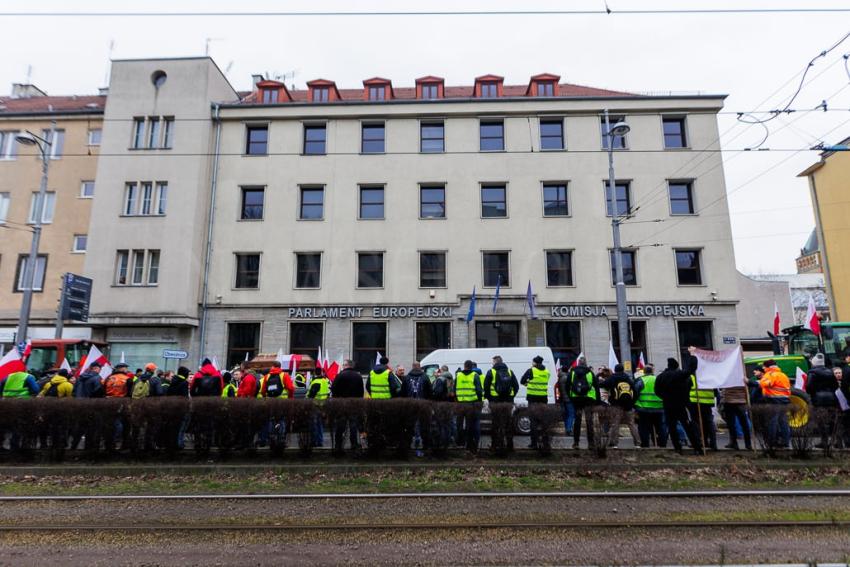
{"points": [[466, 547]]}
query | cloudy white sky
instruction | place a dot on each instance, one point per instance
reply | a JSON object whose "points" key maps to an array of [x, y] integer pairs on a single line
{"points": [[748, 56]]}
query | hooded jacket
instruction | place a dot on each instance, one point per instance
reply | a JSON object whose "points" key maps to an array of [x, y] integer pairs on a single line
{"points": [[63, 387], [285, 380], [154, 385], [395, 384], [565, 383], [248, 386], [821, 386], [88, 386], [347, 384], [179, 386], [612, 384], [416, 385], [673, 385], [490, 388]]}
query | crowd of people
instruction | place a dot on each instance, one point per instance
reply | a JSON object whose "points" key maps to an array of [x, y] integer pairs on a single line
{"points": [[653, 408]]}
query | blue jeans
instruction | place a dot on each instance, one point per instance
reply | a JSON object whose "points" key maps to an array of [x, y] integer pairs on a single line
{"points": [[318, 429], [569, 416], [778, 430]]}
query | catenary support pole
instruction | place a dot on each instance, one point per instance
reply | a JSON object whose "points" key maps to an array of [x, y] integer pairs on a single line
{"points": [[202, 332]]}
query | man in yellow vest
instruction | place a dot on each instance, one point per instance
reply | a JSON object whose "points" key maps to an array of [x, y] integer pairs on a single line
{"points": [[536, 382], [700, 407], [650, 410], [382, 384], [320, 391], [469, 393]]}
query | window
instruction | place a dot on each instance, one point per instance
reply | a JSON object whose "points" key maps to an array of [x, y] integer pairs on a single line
{"points": [[269, 96], [8, 144], [321, 94], [489, 90], [153, 132], [21, 280], [377, 93], [243, 342], [431, 336], [492, 136], [87, 189], [552, 134], [623, 197], [564, 338], [315, 136], [370, 269], [161, 197], [5, 200], [372, 141], [122, 262], [308, 270], [432, 201], [131, 195], [494, 201], [153, 267], [496, 334], [57, 142], [555, 200], [637, 339], [305, 338], [559, 268], [138, 132], [147, 198], [496, 270], [95, 135], [138, 267], [247, 271], [430, 91], [80, 242], [694, 333], [432, 137], [371, 202], [252, 203], [432, 269], [674, 133], [312, 203], [546, 88], [368, 339], [681, 198], [168, 132], [619, 141], [629, 271], [47, 208], [688, 269], [257, 140]]}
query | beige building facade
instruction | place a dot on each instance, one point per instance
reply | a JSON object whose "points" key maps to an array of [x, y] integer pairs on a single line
{"points": [[361, 220], [71, 191]]}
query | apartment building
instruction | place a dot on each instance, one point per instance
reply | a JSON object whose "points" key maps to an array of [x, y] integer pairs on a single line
{"points": [[71, 188], [362, 219]]}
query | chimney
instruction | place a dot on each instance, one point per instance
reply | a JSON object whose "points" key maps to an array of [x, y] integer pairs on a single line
{"points": [[26, 90]]}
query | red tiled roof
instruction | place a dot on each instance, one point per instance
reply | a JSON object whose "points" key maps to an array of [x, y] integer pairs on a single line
{"points": [[409, 93], [55, 104]]}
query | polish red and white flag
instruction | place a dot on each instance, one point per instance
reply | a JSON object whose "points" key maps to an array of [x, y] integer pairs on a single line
{"points": [[575, 362], [641, 363], [93, 356], [65, 365], [775, 318], [11, 362], [812, 321]]}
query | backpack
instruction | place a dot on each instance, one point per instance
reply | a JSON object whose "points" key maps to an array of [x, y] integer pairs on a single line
{"points": [[274, 386], [141, 389], [413, 388], [623, 393], [440, 389], [579, 386], [52, 391], [503, 384]]}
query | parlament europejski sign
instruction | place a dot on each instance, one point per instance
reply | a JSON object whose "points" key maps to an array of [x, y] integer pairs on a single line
{"points": [[447, 311]]}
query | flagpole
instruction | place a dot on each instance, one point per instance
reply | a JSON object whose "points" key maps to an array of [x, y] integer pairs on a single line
{"points": [[699, 415]]}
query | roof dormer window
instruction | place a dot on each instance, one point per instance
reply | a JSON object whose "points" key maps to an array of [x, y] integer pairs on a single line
{"points": [[488, 86], [271, 92], [323, 90], [377, 92], [321, 94], [429, 88], [269, 96], [377, 89], [546, 88], [543, 85], [489, 90]]}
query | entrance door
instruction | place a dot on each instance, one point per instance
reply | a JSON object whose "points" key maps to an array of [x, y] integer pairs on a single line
{"points": [[496, 334]]}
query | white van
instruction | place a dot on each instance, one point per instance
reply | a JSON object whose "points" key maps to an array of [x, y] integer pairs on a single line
{"points": [[518, 359]]}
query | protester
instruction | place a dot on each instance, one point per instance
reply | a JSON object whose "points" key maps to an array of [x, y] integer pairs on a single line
{"points": [[247, 386], [348, 384], [735, 405], [319, 392], [88, 383], [700, 407], [673, 386], [500, 383], [382, 384], [116, 385], [650, 410], [469, 393], [583, 389], [58, 387], [229, 390], [776, 391], [568, 410], [621, 396], [821, 386]]}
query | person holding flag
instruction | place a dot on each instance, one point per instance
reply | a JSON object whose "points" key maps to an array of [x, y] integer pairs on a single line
{"points": [[88, 383], [15, 381]]}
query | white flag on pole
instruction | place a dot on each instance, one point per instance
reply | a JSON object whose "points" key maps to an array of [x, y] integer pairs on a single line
{"points": [[612, 356], [378, 358], [214, 362], [719, 368], [65, 365]]}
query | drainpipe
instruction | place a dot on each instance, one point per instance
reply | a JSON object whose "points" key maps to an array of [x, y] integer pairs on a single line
{"points": [[210, 223]]}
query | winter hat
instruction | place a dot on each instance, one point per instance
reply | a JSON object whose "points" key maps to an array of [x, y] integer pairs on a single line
{"points": [[537, 359], [183, 371], [672, 363], [818, 360], [150, 366]]}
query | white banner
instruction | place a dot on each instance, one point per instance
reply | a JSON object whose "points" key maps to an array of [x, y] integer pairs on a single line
{"points": [[719, 368]]}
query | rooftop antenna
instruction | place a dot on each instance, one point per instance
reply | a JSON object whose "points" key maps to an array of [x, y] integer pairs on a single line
{"points": [[207, 44], [282, 77], [228, 68], [29, 74]]}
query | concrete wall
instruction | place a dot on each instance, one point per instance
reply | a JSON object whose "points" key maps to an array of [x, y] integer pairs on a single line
{"points": [[758, 298]]}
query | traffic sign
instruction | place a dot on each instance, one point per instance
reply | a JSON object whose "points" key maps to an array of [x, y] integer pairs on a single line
{"points": [[175, 354], [76, 297]]}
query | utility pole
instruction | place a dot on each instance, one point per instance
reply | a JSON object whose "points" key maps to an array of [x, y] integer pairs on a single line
{"points": [[619, 129]]}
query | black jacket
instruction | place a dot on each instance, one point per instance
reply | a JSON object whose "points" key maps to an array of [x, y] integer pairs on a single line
{"points": [[88, 386], [491, 394], [416, 385], [612, 384], [566, 385], [673, 385], [179, 386], [821, 386], [347, 384]]}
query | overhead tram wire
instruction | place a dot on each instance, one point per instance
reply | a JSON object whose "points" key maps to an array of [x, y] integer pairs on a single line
{"points": [[421, 13], [728, 193]]}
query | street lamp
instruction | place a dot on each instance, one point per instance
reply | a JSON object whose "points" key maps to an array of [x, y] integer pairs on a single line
{"points": [[618, 130], [30, 139]]}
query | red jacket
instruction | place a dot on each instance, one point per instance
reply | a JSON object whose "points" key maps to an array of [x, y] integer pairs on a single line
{"points": [[284, 377], [247, 387], [209, 370]]}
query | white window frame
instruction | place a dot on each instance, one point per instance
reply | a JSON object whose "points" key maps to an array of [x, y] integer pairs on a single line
{"points": [[47, 210], [131, 199], [90, 136], [152, 267], [41, 260], [122, 265], [83, 189], [8, 144], [167, 132], [137, 142], [5, 203], [137, 267], [161, 201], [146, 198], [55, 150], [75, 247], [153, 133]]}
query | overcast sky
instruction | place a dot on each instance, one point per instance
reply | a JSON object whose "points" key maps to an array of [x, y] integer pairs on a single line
{"points": [[747, 56]]}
